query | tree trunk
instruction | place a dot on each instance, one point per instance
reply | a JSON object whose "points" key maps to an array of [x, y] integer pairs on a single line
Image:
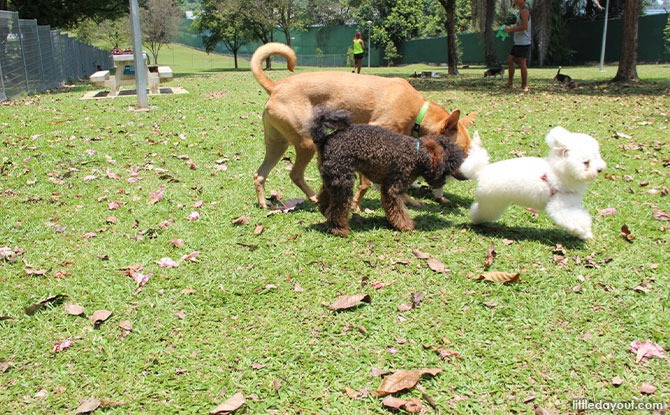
{"points": [[452, 44], [490, 53], [628, 56]]}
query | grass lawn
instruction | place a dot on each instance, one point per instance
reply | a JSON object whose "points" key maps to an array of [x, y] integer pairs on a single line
{"points": [[94, 193]]}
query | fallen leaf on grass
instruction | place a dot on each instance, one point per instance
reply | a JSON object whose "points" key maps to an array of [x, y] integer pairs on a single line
{"points": [[193, 216], [607, 211], [625, 232], [60, 346], [126, 325], [345, 302], [167, 262], [241, 220], [645, 350], [437, 266], [36, 272], [55, 299], [659, 214], [490, 256], [647, 388], [100, 316], [8, 254], [617, 381], [191, 257], [403, 379], [420, 255], [74, 309], [413, 405], [498, 276], [157, 195], [258, 229], [287, 206], [88, 405]]}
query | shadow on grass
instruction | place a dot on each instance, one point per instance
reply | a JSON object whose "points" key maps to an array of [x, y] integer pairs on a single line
{"points": [[548, 237], [584, 88]]}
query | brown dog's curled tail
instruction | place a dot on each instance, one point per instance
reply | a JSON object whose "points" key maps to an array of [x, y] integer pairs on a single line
{"points": [[264, 52], [326, 122]]}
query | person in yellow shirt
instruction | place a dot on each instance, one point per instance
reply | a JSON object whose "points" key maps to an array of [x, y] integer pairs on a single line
{"points": [[359, 52]]}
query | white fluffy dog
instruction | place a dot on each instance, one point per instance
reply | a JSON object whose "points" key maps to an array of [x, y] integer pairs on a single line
{"points": [[554, 184]]}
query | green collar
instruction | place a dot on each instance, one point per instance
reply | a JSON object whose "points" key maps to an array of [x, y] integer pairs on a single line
{"points": [[419, 119]]}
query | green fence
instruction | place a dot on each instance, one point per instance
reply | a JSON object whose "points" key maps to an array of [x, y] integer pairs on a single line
{"points": [[328, 46]]}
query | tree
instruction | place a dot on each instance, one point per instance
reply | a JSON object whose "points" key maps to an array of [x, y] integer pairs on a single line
{"points": [[61, 14], [452, 49], [159, 21], [224, 21], [627, 70]]}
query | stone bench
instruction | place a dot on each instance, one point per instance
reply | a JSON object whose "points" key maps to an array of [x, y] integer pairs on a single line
{"points": [[99, 78]]}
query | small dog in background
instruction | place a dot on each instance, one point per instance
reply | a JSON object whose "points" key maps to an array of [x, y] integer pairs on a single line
{"points": [[565, 80], [391, 160], [494, 72], [554, 184]]}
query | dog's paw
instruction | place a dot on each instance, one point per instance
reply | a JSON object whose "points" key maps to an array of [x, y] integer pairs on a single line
{"points": [[339, 231]]}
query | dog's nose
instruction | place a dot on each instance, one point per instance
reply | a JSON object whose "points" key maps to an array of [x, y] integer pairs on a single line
{"points": [[600, 169]]}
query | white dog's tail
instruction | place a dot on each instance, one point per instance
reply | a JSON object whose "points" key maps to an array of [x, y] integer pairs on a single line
{"points": [[477, 158], [264, 52]]}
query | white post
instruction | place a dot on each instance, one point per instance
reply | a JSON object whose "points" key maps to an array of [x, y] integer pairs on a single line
{"points": [[140, 66], [602, 49], [369, 22]]}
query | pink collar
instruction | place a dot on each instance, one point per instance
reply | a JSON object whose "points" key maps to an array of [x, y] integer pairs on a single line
{"points": [[552, 189]]}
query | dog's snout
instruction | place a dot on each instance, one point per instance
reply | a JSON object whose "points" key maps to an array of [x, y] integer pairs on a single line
{"points": [[600, 169]]}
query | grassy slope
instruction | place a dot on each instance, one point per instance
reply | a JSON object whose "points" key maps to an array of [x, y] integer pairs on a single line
{"points": [[246, 327]]}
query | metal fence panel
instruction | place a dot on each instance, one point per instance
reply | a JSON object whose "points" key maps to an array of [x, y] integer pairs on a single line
{"points": [[34, 58], [11, 58], [31, 55]]}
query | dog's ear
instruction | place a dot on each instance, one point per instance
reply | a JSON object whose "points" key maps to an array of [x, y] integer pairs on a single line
{"points": [[452, 122], [556, 140], [556, 137]]}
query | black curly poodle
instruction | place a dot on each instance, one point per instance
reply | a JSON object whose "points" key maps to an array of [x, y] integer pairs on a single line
{"points": [[391, 160]]}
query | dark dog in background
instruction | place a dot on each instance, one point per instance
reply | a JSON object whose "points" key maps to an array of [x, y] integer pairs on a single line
{"points": [[391, 160], [494, 72], [564, 80]]}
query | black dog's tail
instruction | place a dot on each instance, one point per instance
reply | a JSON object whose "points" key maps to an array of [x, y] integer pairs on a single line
{"points": [[327, 121]]}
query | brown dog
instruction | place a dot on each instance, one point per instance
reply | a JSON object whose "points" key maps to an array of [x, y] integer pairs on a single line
{"points": [[391, 103]]}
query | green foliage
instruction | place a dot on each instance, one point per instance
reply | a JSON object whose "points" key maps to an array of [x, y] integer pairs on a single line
{"points": [[67, 14], [666, 37]]}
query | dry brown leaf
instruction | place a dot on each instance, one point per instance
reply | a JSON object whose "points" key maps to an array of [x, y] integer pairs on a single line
{"points": [[352, 393], [393, 403], [258, 229], [662, 215], [417, 298], [230, 406], [413, 406], [87, 406], [617, 381], [403, 379], [647, 388], [344, 302], [625, 232], [242, 220], [490, 256], [100, 316], [437, 266], [74, 309], [126, 325], [405, 307], [54, 299], [420, 255], [499, 276]]}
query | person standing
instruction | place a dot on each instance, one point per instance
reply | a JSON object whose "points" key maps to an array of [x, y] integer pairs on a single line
{"points": [[359, 52], [522, 41]]}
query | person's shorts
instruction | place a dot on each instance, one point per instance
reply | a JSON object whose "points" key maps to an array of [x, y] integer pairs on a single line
{"points": [[359, 55], [520, 51]]}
